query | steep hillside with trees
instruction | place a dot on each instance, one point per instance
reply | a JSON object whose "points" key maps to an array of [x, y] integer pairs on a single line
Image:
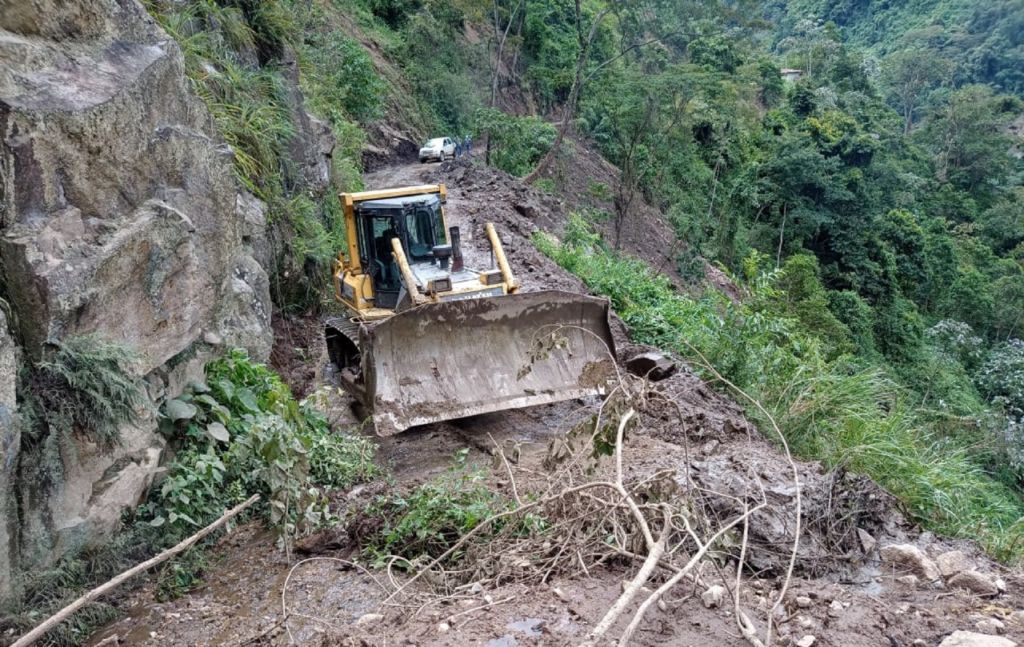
{"points": [[838, 248]]}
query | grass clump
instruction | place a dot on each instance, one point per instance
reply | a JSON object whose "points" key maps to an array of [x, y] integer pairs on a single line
{"points": [[428, 520], [85, 387], [43, 592], [841, 410]]}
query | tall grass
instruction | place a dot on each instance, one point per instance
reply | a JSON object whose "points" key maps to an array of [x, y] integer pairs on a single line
{"points": [[839, 411], [237, 54]]}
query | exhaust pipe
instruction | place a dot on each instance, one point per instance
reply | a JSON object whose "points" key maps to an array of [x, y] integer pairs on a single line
{"points": [[456, 240]]}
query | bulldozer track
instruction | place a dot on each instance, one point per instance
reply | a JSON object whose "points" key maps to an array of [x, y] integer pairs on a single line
{"points": [[349, 330]]}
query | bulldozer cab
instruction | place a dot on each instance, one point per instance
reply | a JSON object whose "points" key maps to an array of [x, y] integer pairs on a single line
{"points": [[417, 222]]}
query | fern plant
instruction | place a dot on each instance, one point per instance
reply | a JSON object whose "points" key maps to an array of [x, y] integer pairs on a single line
{"points": [[85, 388]]}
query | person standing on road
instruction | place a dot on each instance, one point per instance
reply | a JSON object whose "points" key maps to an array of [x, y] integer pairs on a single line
{"points": [[458, 148], [467, 143]]}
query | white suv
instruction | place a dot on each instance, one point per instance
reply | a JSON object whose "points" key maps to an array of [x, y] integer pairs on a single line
{"points": [[439, 148]]}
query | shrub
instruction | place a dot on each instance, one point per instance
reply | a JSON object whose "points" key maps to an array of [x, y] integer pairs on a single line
{"points": [[516, 143], [245, 433], [339, 78], [432, 517]]}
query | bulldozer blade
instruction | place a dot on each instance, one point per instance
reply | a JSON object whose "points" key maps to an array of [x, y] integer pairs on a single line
{"points": [[454, 359]]}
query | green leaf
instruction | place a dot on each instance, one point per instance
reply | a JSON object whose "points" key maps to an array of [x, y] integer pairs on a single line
{"points": [[247, 399], [218, 432], [227, 388], [178, 410], [157, 522], [199, 387]]}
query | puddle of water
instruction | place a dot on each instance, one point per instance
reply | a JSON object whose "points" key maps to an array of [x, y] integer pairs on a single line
{"points": [[529, 626]]}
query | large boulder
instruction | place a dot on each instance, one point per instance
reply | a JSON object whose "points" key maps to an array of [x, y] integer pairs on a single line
{"points": [[82, 504], [120, 215]]}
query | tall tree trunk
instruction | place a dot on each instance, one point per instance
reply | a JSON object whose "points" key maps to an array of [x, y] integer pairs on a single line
{"points": [[496, 64]]}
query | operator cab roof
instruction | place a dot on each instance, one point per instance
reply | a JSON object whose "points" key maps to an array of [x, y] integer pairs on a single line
{"points": [[428, 199]]}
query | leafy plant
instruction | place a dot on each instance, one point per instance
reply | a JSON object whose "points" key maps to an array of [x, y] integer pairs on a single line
{"points": [[245, 433], [432, 517], [517, 143]]}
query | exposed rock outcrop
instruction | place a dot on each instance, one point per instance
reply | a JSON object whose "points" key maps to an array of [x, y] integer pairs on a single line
{"points": [[119, 215]]}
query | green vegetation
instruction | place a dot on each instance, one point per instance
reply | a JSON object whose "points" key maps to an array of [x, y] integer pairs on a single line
{"points": [[516, 143], [46, 591], [831, 406], [86, 386], [428, 520], [242, 434], [240, 56], [245, 433]]}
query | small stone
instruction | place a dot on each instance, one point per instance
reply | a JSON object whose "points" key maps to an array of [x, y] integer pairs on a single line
{"points": [[212, 338], [805, 622], [476, 589], [661, 605], [835, 609], [443, 628], [806, 641], [908, 580], [1000, 584], [560, 594], [911, 558], [867, 542], [990, 626], [952, 562], [803, 601], [918, 642], [713, 596], [971, 639], [974, 582], [1017, 617], [709, 447], [369, 618]]}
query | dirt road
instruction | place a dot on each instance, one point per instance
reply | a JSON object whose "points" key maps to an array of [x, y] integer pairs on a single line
{"points": [[842, 594]]}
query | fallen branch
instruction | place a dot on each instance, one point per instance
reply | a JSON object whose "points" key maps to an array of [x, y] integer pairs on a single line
{"points": [[65, 613], [644, 574], [682, 573]]}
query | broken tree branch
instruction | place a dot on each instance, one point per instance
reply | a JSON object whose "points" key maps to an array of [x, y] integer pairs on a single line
{"points": [[65, 613]]}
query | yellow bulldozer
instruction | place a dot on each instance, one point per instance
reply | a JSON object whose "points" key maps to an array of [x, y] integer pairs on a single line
{"points": [[425, 338]]}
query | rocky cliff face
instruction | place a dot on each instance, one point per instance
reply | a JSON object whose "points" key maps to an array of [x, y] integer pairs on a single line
{"points": [[119, 215]]}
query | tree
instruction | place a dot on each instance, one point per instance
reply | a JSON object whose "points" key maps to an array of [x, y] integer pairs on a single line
{"points": [[910, 75], [968, 137]]}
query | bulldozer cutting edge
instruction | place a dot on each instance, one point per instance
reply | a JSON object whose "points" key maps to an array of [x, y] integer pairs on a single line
{"points": [[453, 359]]}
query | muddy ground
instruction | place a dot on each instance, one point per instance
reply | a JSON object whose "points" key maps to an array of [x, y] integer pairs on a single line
{"points": [[842, 593]]}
